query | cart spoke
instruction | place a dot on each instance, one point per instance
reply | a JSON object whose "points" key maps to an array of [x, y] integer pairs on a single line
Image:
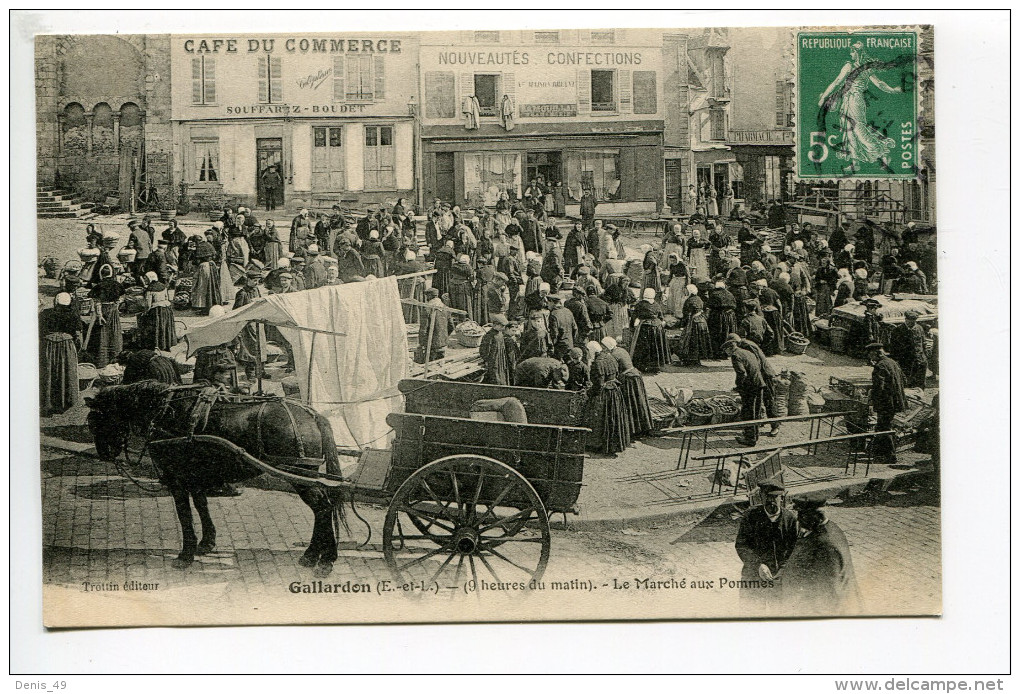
{"points": [[478, 494], [523, 516], [488, 566], [474, 572], [500, 541], [440, 569], [456, 494], [426, 515], [420, 559], [495, 503], [502, 556], [460, 568]]}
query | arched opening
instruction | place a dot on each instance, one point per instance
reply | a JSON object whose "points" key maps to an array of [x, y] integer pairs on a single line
{"points": [[102, 129], [74, 129], [130, 127]]}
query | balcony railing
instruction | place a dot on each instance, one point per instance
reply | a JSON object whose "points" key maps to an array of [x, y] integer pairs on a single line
{"points": [[760, 137]]}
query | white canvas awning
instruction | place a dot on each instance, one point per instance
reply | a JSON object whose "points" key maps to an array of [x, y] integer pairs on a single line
{"points": [[350, 351]]}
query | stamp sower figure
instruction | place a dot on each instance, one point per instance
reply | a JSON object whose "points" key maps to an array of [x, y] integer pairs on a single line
{"points": [[819, 575], [765, 540]]}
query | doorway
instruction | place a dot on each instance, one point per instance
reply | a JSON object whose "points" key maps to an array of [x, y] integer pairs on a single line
{"points": [[445, 177], [548, 165], [673, 192], [327, 159], [268, 152]]}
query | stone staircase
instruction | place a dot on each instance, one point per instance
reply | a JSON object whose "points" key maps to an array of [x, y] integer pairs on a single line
{"points": [[52, 203]]}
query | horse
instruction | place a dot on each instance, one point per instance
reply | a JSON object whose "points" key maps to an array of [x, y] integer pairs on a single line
{"points": [[201, 438]]}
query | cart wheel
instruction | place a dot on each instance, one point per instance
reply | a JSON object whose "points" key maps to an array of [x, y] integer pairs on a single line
{"points": [[475, 518]]}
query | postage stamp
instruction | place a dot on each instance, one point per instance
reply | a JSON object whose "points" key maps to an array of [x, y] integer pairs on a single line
{"points": [[857, 104]]}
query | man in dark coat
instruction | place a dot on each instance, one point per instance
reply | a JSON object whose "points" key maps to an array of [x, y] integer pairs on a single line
{"points": [[156, 262], [750, 385], [541, 372], [272, 183], [588, 209], [887, 397], [510, 265], [819, 577], [769, 373], [435, 313], [349, 263], [493, 353], [750, 244], [530, 233], [562, 327], [765, 540], [315, 269], [906, 346], [577, 305]]}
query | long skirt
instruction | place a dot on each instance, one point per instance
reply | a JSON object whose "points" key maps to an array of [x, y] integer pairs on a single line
{"points": [[695, 343], [636, 399], [272, 254], [777, 343], [651, 349], [413, 288], [481, 306], [721, 324], [676, 297], [619, 322], [228, 275], [157, 329], [801, 315], [607, 418], [58, 374], [698, 263], [441, 280], [461, 297], [823, 300], [206, 292], [597, 333], [107, 340]]}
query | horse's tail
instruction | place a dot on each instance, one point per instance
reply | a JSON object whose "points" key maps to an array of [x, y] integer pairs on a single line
{"points": [[336, 494]]}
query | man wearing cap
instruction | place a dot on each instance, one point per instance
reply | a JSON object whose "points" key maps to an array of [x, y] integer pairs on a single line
{"points": [[493, 353], [157, 262], [511, 267], [887, 398], [541, 372], [769, 373], [272, 184], [912, 280], [250, 343], [530, 234], [867, 331], [563, 330], [750, 382], [315, 269], [819, 577], [906, 346], [300, 231], [297, 268], [139, 239], [765, 540]]}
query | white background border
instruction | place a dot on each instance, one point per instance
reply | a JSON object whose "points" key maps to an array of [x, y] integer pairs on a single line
{"points": [[973, 136]]}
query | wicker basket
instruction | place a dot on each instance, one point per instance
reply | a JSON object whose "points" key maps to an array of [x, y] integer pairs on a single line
{"points": [[699, 418], [725, 409], [469, 340], [796, 343], [87, 374], [837, 339]]}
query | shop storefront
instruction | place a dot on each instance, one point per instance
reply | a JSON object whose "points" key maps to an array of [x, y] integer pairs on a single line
{"points": [[332, 115], [582, 109]]}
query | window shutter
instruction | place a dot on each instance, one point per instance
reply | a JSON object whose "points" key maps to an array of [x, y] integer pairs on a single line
{"points": [[196, 80], [380, 78], [338, 78], [467, 86], [263, 81], [645, 97], [583, 91], [210, 80], [440, 95], [354, 77], [276, 80], [509, 88], [624, 91]]}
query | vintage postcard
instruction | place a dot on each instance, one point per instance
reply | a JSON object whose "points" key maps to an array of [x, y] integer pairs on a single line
{"points": [[488, 325]]}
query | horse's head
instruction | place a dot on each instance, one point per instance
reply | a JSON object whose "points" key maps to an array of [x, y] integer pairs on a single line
{"points": [[114, 412]]}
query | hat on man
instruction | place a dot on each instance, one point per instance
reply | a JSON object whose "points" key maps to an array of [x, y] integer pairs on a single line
{"points": [[772, 488], [498, 319], [162, 242], [584, 270], [874, 345], [297, 260], [255, 268], [871, 303], [911, 314], [285, 275], [431, 293]]}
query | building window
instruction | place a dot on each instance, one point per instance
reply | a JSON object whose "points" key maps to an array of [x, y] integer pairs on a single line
{"points": [[596, 170], [487, 36], [270, 80], [784, 104], [487, 174], [203, 80], [603, 90], [380, 158], [603, 36], [364, 79], [547, 37], [207, 160], [718, 124], [487, 88], [645, 101]]}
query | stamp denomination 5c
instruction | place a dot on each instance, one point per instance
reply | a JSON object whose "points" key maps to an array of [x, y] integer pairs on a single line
{"points": [[857, 104]]}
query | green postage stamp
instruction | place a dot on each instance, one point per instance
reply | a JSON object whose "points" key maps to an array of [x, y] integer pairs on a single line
{"points": [[857, 104]]}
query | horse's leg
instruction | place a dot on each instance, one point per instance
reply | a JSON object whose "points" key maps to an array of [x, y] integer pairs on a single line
{"points": [[208, 529], [183, 506], [321, 551]]}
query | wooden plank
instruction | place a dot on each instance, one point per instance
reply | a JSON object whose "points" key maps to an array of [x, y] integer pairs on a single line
{"points": [[543, 406]]}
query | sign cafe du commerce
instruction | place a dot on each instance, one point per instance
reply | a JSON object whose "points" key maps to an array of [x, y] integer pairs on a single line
{"points": [[308, 87]]}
